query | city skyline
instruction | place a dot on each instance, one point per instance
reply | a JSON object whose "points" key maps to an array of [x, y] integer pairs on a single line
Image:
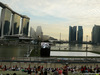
{"points": [[55, 16]]}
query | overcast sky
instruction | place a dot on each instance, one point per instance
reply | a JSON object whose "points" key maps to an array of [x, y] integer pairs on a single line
{"points": [[55, 16]]}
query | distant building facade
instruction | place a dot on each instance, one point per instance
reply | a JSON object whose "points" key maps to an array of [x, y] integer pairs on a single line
{"points": [[5, 22], [12, 23], [96, 34], [39, 33], [32, 33], [72, 33], [15, 24], [10, 26], [80, 34], [25, 26], [0, 27]]}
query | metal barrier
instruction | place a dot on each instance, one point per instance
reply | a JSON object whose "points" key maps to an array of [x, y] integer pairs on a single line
{"points": [[91, 74], [51, 60]]}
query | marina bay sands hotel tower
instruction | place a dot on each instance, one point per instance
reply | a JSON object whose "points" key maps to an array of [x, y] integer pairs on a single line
{"points": [[12, 23]]}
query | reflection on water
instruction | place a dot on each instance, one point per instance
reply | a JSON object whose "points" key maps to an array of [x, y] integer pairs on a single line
{"points": [[76, 47], [13, 51], [21, 50]]}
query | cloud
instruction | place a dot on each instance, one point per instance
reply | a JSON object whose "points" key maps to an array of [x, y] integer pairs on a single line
{"points": [[71, 10], [58, 14]]}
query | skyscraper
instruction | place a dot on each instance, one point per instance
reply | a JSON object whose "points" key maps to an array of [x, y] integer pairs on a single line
{"points": [[25, 26], [80, 34], [5, 21], [12, 23], [39, 33], [96, 34], [0, 24], [72, 33], [32, 33], [15, 24]]}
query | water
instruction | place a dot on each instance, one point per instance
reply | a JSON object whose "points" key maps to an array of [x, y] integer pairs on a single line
{"points": [[80, 47], [13, 51], [21, 50]]}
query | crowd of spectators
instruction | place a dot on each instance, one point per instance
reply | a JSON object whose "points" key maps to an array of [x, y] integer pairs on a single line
{"points": [[84, 69], [40, 70]]}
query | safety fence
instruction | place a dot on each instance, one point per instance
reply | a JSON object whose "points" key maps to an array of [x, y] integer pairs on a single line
{"points": [[51, 60], [49, 73]]}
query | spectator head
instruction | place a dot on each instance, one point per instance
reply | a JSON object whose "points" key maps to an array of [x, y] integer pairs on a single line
{"points": [[14, 74]]}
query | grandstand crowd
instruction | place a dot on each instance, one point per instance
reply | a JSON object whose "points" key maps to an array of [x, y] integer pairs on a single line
{"points": [[40, 70]]}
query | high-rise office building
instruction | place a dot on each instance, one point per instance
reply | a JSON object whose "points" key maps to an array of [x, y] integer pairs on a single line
{"points": [[25, 26], [12, 23], [32, 33], [72, 33], [15, 24], [5, 21], [96, 34], [0, 24], [39, 33], [80, 34]]}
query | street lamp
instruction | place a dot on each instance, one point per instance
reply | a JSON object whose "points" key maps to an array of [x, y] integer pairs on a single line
{"points": [[60, 41], [41, 36], [86, 46]]}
